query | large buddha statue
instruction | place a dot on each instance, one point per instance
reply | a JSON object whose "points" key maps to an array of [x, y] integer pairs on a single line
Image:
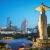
{"points": [[42, 23]]}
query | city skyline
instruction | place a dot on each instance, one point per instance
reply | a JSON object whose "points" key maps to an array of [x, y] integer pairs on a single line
{"points": [[18, 10]]}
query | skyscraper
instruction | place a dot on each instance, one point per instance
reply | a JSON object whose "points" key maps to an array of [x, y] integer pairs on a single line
{"points": [[24, 26], [8, 21]]}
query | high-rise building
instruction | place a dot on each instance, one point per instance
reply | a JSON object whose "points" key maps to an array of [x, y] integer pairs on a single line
{"points": [[24, 26], [10, 25], [8, 22]]}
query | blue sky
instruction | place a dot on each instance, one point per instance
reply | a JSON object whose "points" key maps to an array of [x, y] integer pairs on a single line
{"points": [[18, 10]]}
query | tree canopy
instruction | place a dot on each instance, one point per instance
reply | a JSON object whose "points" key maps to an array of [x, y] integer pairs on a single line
{"points": [[48, 31]]}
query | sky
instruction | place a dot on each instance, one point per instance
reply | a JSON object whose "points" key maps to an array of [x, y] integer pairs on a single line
{"points": [[18, 10]]}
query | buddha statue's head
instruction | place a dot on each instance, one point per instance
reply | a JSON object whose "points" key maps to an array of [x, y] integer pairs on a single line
{"points": [[42, 10]]}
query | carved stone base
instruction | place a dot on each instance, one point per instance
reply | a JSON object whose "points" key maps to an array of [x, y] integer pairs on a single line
{"points": [[43, 42]]}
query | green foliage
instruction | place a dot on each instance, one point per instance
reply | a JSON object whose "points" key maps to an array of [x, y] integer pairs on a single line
{"points": [[33, 49], [18, 35], [48, 31]]}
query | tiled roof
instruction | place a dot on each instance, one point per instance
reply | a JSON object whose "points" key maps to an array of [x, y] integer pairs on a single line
{"points": [[6, 35]]}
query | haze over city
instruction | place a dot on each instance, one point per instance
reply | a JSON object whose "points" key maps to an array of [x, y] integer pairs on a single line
{"points": [[18, 10]]}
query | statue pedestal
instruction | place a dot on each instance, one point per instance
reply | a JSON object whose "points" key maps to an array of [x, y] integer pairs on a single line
{"points": [[43, 42]]}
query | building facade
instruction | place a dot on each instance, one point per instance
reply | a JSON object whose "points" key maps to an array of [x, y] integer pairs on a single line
{"points": [[24, 26]]}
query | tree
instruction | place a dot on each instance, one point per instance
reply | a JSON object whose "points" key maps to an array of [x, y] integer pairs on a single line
{"points": [[48, 31]]}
